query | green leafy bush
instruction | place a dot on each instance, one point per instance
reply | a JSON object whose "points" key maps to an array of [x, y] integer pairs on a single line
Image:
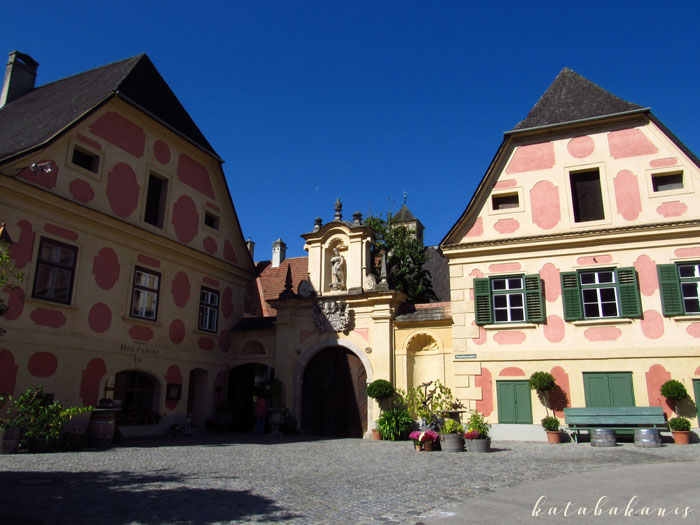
{"points": [[429, 401], [477, 423], [550, 423], [450, 426], [380, 389], [679, 424], [41, 419], [542, 382], [674, 390], [394, 424]]}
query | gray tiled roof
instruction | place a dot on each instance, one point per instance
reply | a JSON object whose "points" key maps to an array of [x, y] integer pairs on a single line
{"points": [[572, 97], [42, 113]]}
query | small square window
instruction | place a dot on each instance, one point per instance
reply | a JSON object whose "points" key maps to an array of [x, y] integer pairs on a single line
{"points": [[505, 201], [211, 220], [667, 181], [85, 159]]}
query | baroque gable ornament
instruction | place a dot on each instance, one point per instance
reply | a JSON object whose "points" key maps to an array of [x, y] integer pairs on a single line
{"points": [[331, 315]]}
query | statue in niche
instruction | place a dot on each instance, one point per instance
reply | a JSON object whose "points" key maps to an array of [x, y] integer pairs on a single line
{"points": [[338, 264]]}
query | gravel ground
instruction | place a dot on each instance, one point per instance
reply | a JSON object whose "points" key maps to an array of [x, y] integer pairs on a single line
{"points": [[236, 479]]}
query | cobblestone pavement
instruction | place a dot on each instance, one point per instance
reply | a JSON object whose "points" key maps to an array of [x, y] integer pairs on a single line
{"points": [[235, 479]]}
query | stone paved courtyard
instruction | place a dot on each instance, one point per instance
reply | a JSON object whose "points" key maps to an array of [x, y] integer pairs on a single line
{"points": [[235, 479]]}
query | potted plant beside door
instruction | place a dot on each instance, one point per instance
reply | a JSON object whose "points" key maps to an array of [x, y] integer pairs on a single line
{"points": [[544, 383], [675, 392], [379, 390]]}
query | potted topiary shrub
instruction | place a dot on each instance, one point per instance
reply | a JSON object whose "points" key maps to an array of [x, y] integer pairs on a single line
{"points": [[379, 390], [680, 428], [451, 436], [551, 426], [477, 434], [394, 424], [544, 383], [675, 391]]}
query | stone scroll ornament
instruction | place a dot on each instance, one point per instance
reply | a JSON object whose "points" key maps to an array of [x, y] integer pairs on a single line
{"points": [[332, 315]]}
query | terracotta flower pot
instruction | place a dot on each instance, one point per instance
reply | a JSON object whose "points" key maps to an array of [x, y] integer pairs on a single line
{"points": [[553, 436], [428, 446], [681, 437], [418, 446], [376, 434]]}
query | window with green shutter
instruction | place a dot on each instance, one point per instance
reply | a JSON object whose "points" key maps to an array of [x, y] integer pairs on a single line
{"points": [[601, 294], [509, 299], [680, 288]]}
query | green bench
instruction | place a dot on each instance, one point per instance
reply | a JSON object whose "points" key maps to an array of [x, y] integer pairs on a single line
{"points": [[616, 418]]}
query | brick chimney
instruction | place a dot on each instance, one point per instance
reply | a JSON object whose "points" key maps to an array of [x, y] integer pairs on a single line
{"points": [[20, 76], [279, 252]]}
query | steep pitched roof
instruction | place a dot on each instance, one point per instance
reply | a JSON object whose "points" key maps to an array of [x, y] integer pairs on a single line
{"points": [[39, 115], [404, 215], [572, 97], [270, 284]]}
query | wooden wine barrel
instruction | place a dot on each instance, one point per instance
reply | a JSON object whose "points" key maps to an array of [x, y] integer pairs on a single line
{"points": [[603, 437], [101, 426]]}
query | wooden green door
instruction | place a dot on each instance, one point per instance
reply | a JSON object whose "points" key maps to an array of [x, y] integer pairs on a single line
{"points": [[696, 388], [608, 389], [514, 404]]}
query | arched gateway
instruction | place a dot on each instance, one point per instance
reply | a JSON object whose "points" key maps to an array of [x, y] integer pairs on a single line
{"points": [[334, 396]]}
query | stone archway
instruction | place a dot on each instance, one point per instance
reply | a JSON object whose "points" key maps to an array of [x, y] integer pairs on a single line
{"points": [[334, 395]]}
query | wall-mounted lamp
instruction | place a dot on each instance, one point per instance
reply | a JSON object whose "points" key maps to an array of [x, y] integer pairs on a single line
{"points": [[36, 167], [44, 167], [5, 235]]}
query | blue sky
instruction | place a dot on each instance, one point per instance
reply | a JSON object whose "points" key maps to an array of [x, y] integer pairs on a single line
{"points": [[307, 101]]}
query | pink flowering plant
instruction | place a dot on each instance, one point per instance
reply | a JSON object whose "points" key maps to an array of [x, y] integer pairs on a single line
{"points": [[420, 437], [477, 427]]}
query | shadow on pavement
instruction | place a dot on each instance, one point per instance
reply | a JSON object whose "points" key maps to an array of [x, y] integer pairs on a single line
{"points": [[43, 498]]}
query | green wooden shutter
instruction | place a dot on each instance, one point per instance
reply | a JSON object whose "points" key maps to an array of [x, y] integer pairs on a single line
{"points": [[533, 299], [571, 296], [669, 284], [628, 288], [482, 300]]}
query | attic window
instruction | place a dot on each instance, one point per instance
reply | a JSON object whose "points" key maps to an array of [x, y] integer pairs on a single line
{"points": [[155, 200], [586, 196], [86, 160], [211, 220], [667, 181], [505, 201]]}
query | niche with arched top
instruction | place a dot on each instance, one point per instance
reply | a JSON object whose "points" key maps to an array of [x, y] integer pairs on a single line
{"points": [[424, 359]]}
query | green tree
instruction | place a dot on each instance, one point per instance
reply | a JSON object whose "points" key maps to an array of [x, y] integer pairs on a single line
{"points": [[405, 257], [7, 274]]}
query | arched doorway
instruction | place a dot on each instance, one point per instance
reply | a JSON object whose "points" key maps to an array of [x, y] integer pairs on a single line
{"points": [[334, 394], [245, 382], [138, 395]]}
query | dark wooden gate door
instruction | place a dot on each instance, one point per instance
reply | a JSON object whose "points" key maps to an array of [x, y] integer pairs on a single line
{"points": [[334, 396]]}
